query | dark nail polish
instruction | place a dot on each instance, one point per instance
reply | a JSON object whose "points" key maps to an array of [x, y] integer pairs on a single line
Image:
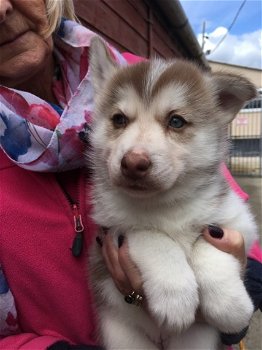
{"points": [[215, 231], [99, 241], [105, 230], [120, 240]]}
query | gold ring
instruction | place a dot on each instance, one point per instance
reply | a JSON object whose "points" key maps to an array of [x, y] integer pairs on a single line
{"points": [[134, 298]]}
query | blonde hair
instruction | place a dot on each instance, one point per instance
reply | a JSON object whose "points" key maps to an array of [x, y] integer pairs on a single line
{"points": [[56, 9]]}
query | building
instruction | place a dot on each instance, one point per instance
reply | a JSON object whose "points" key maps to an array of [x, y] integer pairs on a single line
{"points": [[246, 129], [143, 27]]}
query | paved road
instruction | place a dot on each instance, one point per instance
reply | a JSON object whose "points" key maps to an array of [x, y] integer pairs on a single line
{"points": [[253, 186]]}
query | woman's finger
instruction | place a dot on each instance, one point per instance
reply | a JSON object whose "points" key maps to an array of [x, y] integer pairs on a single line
{"points": [[227, 240], [110, 255], [129, 268]]}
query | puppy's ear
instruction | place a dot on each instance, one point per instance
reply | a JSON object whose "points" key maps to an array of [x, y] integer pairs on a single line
{"points": [[233, 92], [101, 63]]}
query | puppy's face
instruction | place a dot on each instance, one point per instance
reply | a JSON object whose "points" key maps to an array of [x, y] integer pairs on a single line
{"points": [[151, 125], [154, 122]]}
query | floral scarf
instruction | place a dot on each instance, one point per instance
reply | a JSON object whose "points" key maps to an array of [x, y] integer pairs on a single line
{"points": [[8, 315], [33, 134]]}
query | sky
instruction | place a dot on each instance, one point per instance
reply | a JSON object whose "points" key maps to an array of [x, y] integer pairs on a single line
{"points": [[243, 43]]}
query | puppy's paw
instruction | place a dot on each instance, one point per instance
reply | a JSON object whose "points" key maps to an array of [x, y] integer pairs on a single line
{"points": [[228, 309], [173, 306]]}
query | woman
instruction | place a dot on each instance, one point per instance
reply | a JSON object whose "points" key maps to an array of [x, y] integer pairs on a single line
{"points": [[45, 226]]}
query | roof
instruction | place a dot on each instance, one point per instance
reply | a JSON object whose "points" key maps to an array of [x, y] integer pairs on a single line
{"points": [[181, 29], [234, 65]]}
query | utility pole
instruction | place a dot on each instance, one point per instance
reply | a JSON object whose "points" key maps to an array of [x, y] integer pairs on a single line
{"points": [[203, 36]]}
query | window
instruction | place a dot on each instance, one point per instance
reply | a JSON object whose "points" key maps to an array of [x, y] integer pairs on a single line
{"points": [[249, 147]]}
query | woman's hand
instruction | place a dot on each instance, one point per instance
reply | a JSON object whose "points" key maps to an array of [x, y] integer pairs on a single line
{"points": [[229, 241], [123, 270]]}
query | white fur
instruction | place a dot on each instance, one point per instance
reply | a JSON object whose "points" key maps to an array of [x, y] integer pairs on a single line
{"points": [[181, 271]]}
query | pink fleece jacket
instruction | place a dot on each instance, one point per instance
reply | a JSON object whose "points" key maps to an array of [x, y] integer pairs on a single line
{"points": [[49, 285]]}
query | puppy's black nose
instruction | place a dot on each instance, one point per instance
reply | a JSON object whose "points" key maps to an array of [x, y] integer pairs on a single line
{"points": [[135, 164]]}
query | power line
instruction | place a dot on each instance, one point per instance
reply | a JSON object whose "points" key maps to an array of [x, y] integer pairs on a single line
{"points": [[229, 28]]}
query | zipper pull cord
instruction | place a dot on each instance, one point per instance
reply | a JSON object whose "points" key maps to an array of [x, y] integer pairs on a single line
{"points": [[78, 241]]}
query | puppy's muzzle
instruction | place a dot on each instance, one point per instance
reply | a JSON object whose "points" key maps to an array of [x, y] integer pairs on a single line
{"points": [[135, 164]]}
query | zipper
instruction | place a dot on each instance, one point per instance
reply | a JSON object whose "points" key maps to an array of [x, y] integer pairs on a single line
{"points": [[78, 240], [77, 245]]}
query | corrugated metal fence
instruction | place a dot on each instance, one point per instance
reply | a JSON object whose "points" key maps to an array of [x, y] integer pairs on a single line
{"points": [[246, 140]]}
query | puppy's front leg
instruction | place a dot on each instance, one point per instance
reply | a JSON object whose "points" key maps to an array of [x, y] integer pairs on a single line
{"points": [[169, 283], [224, 300]]}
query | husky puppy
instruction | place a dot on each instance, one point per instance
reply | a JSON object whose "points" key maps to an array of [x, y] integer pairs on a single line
{"points": [[159, 136]]}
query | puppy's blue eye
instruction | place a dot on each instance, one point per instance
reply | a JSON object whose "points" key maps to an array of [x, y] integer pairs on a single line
{"points": [[119, 120], [176, 121]]}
